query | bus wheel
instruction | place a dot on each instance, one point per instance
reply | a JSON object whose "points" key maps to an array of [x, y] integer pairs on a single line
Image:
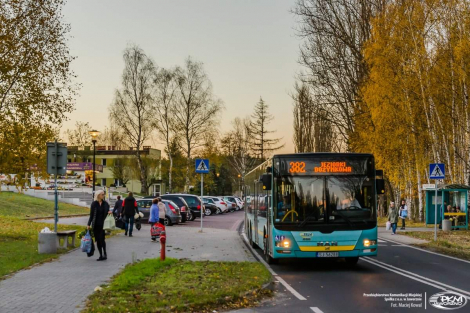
{"points": [[267, 257], [351, 261]]}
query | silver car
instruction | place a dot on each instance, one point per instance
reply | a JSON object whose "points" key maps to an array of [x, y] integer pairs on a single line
{"points": [[172, 211]]}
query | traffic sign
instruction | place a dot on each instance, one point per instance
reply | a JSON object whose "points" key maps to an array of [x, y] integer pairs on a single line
{"points": [[202, 166], [429, 187], [56, 158], [436, 171]]}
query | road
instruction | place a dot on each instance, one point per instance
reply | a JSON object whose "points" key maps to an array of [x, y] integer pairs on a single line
{"points": [[330, 286]]}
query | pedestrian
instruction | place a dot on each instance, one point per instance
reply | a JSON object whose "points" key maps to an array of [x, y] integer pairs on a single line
{"points": [[161, 210], [117, 207], [154, 214], [98, 211], [129, 208], [393, 217], [403, 213]]}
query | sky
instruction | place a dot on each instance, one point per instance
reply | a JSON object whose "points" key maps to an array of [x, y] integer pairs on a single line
{"points": [[249, 50]]}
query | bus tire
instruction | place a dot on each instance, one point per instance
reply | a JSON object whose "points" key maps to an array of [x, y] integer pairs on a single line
{"points": [[252, 243], [269, 259], [351, 261]]}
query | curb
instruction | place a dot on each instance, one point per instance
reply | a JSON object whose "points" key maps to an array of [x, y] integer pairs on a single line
{"points": [[49, 217]]}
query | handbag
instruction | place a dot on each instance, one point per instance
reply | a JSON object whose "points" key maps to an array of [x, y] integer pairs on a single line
{"points": [[120, 223], [109, 223]]}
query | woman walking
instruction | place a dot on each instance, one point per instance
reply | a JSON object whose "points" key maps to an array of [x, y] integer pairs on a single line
{"points": [[161, 210], [393, 217], [403, 213], [98, 211], [154, 217]]}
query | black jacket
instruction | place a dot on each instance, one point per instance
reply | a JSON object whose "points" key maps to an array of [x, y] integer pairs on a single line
{"points": [[117, 207], [101, 213], [129, 207]]}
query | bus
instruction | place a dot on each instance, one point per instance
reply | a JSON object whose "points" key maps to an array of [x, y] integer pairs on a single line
{"points": [[313, 205]]}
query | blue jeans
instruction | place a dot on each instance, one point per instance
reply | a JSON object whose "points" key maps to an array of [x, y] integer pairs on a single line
{"points": [[394, 228], [131, 221]]}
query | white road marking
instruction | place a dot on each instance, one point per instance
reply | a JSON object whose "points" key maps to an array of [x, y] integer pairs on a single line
{"points": [[316, 310], [279, 278], [416, 277], [424, 250], [380, 240]]}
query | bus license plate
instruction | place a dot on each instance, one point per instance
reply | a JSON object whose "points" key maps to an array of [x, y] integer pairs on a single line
{"points": [[327, 254]]}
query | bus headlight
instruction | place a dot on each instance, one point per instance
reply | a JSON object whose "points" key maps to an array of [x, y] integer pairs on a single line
{"points": [[368, 243], [283, 244]]}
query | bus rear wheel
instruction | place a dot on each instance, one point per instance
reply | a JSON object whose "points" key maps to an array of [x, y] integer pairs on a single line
{"points": [[351, 261], [252, 243], [269, 259]]}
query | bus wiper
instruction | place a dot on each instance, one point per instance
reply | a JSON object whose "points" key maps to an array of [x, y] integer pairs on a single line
{"points": [[308, 218], [344, 217]]}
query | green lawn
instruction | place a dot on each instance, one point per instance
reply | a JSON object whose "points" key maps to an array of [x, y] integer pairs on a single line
{"points": [[22, 206], [454, 243], [182, 286], [19, 244]]}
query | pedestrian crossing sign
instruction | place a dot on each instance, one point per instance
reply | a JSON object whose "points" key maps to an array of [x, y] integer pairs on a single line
{"points": [[202, 166], [436, 171]]}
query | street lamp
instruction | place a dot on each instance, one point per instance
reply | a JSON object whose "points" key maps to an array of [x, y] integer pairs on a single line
{"points": [[239, 184], [94, 134]]}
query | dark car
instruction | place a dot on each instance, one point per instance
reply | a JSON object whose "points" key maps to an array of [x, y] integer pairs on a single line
{"points": [[194, 203], [172, 211], [209, 206], [181, 203]]}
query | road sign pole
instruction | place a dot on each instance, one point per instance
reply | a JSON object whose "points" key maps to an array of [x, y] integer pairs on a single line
{"points": [[435, 215], [56, 200], [202, 202]]}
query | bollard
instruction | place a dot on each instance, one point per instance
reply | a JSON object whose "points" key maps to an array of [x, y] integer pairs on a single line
{"points": [[162, 245]]}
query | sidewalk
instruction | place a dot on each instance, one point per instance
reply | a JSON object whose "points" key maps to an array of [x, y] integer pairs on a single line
{"points": [[383, 233], [62, 286]]}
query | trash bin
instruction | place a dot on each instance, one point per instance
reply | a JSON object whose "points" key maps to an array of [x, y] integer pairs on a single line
{"points": [[48, 243], [446, 225]]}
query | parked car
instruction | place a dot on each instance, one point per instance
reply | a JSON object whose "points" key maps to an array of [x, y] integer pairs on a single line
{"points": [[209, 206], [181, 203], [194, 203], [232, 204], [240, 203], [220, 203], [172, 211]]}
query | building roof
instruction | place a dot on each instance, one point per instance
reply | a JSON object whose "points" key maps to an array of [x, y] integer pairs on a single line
{"points": [[454, 186]]}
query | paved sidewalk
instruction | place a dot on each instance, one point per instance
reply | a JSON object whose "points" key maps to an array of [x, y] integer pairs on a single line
{"points": [[387, 234], [62, 286]]}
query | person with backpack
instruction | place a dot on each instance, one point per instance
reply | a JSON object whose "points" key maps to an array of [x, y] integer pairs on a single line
{"points": [[393, 217], [98, 211], [129, 209], [403, 213]]}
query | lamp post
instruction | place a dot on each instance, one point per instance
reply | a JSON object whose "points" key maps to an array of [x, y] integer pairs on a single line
{"points": [[94, 134], [239, 184]]}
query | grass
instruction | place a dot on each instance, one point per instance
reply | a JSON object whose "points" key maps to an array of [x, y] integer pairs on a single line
{"points": [[182, 286], [19, 244], [381, 221], [22, 206], [453, 243]]}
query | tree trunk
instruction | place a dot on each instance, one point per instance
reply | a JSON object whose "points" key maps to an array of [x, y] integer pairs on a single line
{"points": [[169, 173]]}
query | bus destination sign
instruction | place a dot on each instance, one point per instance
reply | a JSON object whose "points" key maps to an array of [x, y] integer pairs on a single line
{"points": [[333, 167], [312, 167]]}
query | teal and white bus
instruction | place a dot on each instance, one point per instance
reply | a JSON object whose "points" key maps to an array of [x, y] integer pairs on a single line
{"points": [[313, 205]]}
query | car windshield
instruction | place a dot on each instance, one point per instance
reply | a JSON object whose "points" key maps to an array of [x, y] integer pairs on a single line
{"points": [[323, 199]]}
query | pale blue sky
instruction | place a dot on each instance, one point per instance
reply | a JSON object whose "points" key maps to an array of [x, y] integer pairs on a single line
{"points": [[249, 49]]}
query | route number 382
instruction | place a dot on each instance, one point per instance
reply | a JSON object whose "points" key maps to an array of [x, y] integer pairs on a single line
{"points": [[297, 167]]}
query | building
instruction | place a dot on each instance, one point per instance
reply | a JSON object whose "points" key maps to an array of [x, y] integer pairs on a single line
{"points": [[111, 163]]}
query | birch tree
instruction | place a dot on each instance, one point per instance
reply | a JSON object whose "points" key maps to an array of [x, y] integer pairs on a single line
{"points": [[196, 110], [131, 109]]}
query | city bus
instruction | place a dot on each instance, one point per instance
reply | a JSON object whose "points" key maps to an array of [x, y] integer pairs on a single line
{"points": [[313, 205]]}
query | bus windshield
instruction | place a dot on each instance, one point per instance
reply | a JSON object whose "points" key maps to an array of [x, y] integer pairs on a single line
{"points": [[320, 200]]}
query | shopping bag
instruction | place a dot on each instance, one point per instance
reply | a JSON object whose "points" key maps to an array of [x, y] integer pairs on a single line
{"points": [[120, 223], [156, 230], [85, 244], [92, 249], [109, 223], [388, 225], [138, 224]]}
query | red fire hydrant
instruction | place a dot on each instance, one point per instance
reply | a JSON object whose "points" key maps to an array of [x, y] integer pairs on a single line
{"points": [[162, 245]]}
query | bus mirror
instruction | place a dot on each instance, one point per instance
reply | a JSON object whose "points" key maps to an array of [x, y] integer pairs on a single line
{"points": [[380, 184], [266, 181]]}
